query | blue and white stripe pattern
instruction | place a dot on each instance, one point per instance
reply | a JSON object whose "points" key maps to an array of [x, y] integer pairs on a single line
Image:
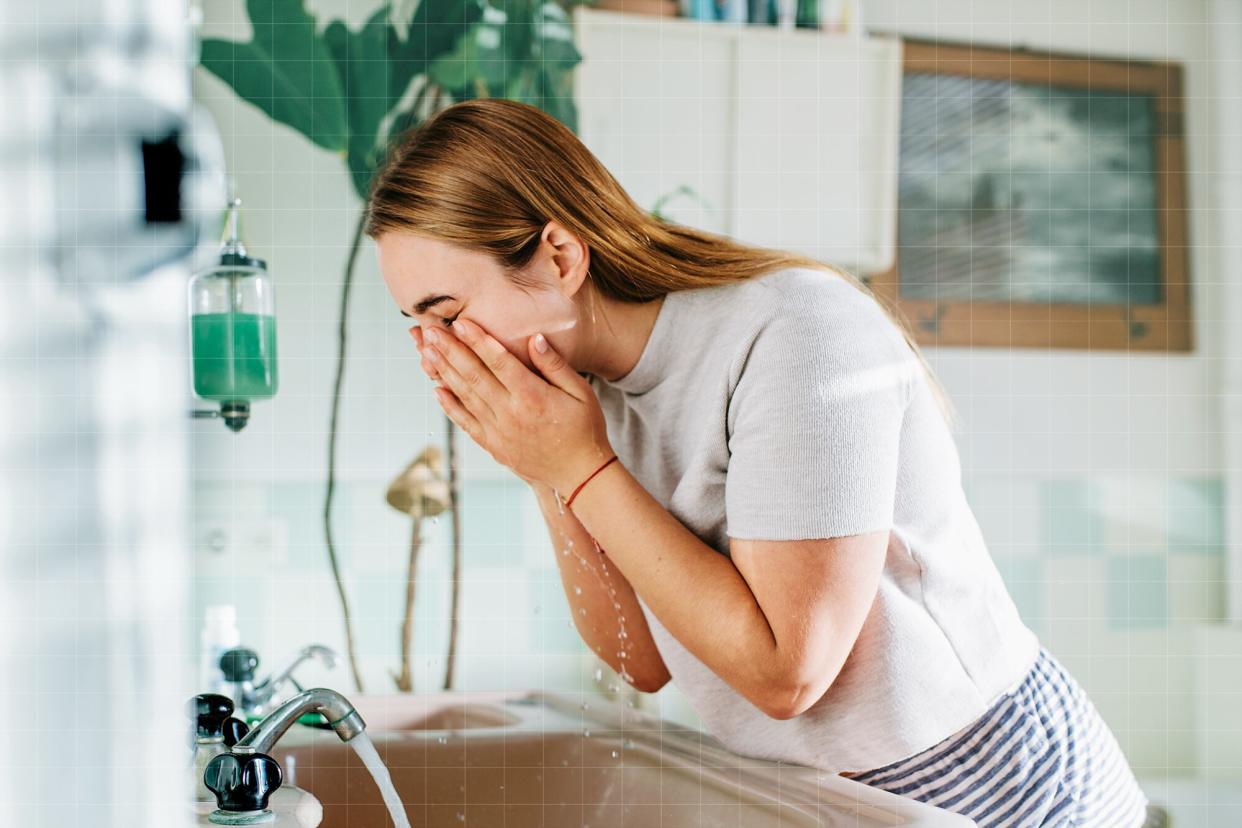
{"points": [[1041, 756]]}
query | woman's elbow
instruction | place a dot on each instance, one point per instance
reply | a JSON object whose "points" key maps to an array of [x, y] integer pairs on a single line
{"points": [[795, 695], [650, 681], [783, 704]]}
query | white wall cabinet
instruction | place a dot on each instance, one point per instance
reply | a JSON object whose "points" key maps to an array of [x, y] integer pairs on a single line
{"points": [[790, 138]]}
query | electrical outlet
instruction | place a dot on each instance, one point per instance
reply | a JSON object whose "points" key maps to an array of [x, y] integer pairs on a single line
{"points": [[228, 546]]}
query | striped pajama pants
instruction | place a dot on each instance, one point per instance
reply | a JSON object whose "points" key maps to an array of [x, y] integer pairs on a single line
{"points": [[1040, 756]]}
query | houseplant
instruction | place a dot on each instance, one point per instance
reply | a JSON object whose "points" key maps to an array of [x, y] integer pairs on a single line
{"points": [[353, 92]]}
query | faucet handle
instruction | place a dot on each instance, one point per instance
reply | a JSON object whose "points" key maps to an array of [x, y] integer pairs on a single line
{"points": [[242, 782], [234, 730], [239, 665], [209, 711]]}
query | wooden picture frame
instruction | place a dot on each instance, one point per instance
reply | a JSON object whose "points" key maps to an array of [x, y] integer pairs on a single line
{"points": [[997, 258]]}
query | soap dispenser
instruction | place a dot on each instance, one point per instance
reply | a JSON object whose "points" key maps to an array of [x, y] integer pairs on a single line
{"points": [[233, 329]]}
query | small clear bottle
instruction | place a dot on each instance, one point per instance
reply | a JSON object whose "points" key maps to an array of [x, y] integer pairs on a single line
{"points": [[219, 635]]}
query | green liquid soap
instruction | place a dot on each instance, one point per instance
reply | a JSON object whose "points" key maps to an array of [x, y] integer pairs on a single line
{"points": [[234, 356]]}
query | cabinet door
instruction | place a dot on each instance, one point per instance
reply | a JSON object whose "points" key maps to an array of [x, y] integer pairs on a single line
{"points": [[655, 106], [816, 145], [789, 137]]}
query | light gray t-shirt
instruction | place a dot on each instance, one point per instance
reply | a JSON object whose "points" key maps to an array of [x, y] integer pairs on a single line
{"points": [[789, 406]]}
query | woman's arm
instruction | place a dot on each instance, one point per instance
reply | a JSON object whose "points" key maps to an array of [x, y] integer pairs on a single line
{"points": [[594, 584], [780, 645], [766, 646]]}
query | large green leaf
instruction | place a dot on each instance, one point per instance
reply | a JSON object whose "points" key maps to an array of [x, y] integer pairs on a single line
{"points": [[436, 29], [365, 70], [552, 44], [285, 69], [507, 52], [479, 57]]}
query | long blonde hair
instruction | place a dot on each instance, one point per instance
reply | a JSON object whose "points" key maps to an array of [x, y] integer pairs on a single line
{"points": [[488, 174]]}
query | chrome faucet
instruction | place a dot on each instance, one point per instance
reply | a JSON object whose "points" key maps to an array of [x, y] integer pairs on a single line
{"points": [[255, 698], [244, 778], [330, 704]]}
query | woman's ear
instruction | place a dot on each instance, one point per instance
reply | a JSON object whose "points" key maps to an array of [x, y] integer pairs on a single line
{"points": [[570, 255]]}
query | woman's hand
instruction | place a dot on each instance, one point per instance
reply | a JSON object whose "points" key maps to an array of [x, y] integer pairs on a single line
{"points": [[548, 429]]}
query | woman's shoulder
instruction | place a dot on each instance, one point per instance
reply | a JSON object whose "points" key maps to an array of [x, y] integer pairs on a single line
{"points": [[823, 308]]}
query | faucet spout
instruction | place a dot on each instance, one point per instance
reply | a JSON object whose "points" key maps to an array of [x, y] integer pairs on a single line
{"points": [[332, 705]]}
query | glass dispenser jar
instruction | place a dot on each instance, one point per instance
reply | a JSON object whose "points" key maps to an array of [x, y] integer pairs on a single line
{"points": [[233, 329]]}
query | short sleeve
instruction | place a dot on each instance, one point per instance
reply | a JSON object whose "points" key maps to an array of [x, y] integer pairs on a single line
{"points": [[815, 423]]}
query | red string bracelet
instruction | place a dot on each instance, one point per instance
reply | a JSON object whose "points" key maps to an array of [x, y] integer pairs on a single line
{"points": [[569, 502]]}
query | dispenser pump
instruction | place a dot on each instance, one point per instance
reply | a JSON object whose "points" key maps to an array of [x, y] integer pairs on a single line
{"points": [[233, 328]]}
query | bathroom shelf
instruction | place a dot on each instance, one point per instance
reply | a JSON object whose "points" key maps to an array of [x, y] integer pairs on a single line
{"points": [[789, 137]]}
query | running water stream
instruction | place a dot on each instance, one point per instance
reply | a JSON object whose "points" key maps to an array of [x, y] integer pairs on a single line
{"points": [[365, 748]]}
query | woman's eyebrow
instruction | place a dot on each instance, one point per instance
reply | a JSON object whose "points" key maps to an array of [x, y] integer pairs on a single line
{"points": [[429, 301]]}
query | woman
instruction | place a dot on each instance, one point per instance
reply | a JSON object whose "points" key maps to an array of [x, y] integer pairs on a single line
{"points": [[753, 466]]}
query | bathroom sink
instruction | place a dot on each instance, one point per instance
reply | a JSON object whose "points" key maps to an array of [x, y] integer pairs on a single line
{"points": [[514, 760]]}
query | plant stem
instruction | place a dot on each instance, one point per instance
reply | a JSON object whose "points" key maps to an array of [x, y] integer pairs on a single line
{"points": [[456, 514], [336, 405], [405, 679]]}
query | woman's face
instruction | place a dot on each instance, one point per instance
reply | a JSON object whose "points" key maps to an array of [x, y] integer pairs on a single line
{"points": [[434, 281]]}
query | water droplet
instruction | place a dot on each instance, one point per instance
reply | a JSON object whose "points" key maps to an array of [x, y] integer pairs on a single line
{"points": [[565, 762], [461, 817], [623, 634], [615, 754], [599, 673], [442, 740], [615, 605], [577, 590], [586, 733], [622, 654], [565, 552], [628, 743], [586, 706], [569, 623], [582, 610], [612, 685]]}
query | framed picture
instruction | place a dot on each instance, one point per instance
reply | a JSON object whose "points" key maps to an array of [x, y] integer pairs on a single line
{"points": [[1041, 201]]}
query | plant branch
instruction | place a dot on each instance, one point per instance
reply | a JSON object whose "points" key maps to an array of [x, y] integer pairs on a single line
{"points": [[405, 679], [456, 515], [342, 338]]}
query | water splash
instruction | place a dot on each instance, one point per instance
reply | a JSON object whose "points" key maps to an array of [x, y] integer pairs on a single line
{"points": [[365, 748], [604, 578]]}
